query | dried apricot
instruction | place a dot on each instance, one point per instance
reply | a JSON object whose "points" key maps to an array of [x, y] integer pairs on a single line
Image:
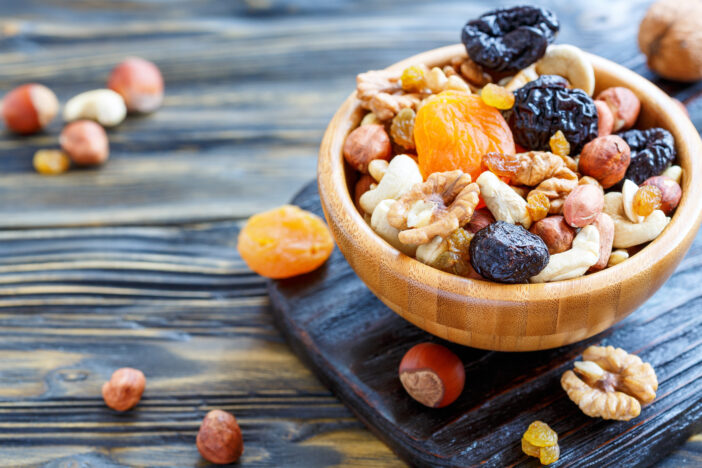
{"points": [[284, 242], [538, 205], [647, 199], [453, 130], [497, 96]]}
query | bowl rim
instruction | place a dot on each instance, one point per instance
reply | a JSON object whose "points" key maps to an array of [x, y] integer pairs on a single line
{"points": [[334, 191]]}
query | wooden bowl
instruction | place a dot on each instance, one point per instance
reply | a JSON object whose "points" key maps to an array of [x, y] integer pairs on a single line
{"points": [[520, 317]]}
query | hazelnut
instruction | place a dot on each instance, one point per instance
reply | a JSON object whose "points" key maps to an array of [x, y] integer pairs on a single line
{"points": [[605, 225], [51, 162], [555, 233], [219, 439], [432, 375], [670, 190], [139, 82], [605, 119], [582, 205], [85, 142], [606, 159], [480, 219], [365, 144], [671, 37], [624, 104], [124, 389], [29, 108]]}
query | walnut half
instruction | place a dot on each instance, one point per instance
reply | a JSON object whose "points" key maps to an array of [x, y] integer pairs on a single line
{"points": [[610, 383], [437, 207]]}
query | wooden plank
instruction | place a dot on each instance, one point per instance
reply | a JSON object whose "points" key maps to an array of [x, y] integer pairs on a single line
{"points": [[354, 344]]}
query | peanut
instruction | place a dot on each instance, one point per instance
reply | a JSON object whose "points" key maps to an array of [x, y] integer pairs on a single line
{"points": [[582, 205]]}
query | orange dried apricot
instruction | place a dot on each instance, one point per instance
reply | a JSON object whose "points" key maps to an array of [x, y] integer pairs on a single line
{"points": [[454, 129], [284, 242]]}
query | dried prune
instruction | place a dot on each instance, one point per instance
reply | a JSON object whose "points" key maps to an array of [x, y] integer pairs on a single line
{"points": [[652, 151], [546, 105], [509, 39], [507, 253]]}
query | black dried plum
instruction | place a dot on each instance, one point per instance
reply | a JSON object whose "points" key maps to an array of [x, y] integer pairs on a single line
{"points": [[507, 253], [509, 39], [652, 151], [546, 105]]}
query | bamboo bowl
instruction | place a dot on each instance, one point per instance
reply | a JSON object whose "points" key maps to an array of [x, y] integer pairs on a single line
{"points": [[521, 317]]}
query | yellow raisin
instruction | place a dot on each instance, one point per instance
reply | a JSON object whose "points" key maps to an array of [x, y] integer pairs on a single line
{"points": [[647, 199], [549, 455], [559, 145], [456, 259], [414, 78], [402, 128], [504, 165], [51, 162], [497, 96], [531, 450], [540, 435], [538, 205]]}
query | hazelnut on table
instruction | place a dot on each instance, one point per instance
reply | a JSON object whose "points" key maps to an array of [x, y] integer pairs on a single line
{"points": [[219, 439], [124, 389], [29, 108], [140, 84], [85, 142]]}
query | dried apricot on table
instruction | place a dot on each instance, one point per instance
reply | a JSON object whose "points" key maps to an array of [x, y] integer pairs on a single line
{"points": [[284, 242], [453, 130]]}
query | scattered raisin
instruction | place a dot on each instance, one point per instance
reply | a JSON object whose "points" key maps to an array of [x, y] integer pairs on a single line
{"points": [[652, 151], [538, 205], [497, 96], [510, 39], [402, 128], [546, 105], [647, 199], [507, 253], [559, 145]]}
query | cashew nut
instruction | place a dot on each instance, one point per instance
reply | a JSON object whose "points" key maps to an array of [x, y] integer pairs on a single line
{"points": [[379, 223], [629, 189], [523, 77], [502, 201], [104, 106], [401, 175], [429, 253], [674, 172], [617, 257], [574, 262], [377, 168], [628, 234], [569, 62]]}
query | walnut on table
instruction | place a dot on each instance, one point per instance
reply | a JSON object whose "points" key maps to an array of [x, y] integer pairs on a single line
{"points": [[437, 207], [610, 383]]}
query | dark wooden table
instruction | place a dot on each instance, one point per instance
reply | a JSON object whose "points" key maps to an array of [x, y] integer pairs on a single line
{"points": [[135, 264]]}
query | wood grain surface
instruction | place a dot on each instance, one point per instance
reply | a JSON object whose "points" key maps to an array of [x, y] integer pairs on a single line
{"points": [[134, 264]]}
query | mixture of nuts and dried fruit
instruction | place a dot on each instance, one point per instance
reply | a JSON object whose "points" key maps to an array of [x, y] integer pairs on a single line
{"points": [[501, 165]]}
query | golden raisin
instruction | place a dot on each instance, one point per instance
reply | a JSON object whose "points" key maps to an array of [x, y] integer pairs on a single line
{"points": [[503, 165], [549, 455], [51, 162], [456, 259], [538, 205], [497, 96], [531, 450], [647, 199], [559, 145], [402, 128], [540, 434], [414, 78]]}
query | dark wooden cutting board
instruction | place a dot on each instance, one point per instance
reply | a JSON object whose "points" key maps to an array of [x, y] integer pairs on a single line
{"points": [[354, 344]]}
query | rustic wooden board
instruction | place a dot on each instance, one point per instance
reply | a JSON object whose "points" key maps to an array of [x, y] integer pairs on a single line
{"points": [[354, 344]]}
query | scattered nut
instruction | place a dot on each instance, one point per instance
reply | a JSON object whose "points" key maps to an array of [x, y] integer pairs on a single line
{"points": [[401, 175], [605, 226], [617, 257], [85, 142], [366, 143], [605, 119], [675, 173], [610, 383], [629, 190], [140, 84], [124, 389], [671, 37], [432, 375], [574, 262], [582, 205], [29, 108], [381, 226], [606, 159], [479, 220], [624, 104], [104, 106], [569, 62], [502, 201], [671, 192], [437, 207], [523, 77], [219, 439], [51, 162], [555, 233], [628, 234]]}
